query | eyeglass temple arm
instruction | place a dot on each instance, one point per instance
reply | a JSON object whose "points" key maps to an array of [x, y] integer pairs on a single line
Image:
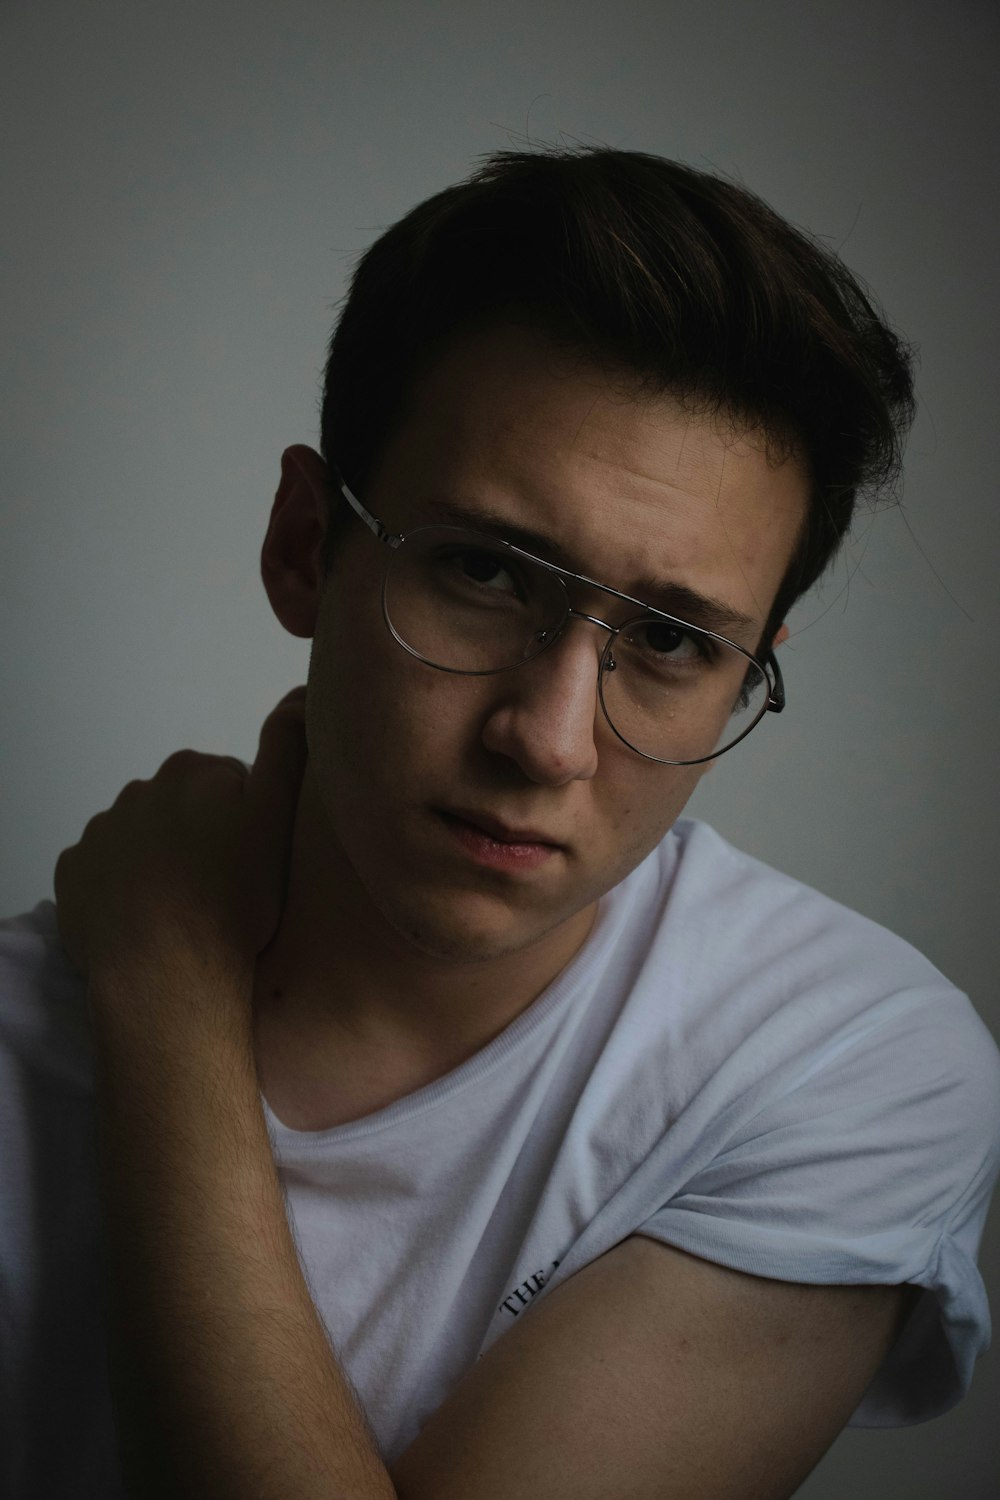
{"points": [[372, 522], [776, 697]]}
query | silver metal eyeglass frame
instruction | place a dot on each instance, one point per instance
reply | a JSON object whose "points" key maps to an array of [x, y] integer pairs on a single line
{"points": [[768, 666]]}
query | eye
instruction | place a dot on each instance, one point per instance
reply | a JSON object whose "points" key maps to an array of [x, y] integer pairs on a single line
{"points": [[666, 641], [483, 569]]}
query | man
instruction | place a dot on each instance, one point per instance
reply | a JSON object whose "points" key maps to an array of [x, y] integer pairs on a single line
{"points": [[468, 1124]]}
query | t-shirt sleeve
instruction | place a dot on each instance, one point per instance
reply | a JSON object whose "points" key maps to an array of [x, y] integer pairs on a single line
{"points": [[872, 1165]]}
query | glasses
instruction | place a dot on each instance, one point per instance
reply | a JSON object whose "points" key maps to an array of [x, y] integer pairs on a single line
{"points": [[466, 602]]}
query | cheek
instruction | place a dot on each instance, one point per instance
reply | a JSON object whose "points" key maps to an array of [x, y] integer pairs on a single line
{"points": [[640, 807], [377, 713]]}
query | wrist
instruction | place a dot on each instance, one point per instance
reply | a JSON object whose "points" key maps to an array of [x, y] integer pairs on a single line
{"points": [[175, 999]]}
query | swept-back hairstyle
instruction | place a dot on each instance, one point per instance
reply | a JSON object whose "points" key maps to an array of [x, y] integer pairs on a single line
{"points": [[675, 279]]}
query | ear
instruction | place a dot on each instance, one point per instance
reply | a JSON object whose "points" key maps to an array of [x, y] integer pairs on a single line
{"points": [[291, 559]]}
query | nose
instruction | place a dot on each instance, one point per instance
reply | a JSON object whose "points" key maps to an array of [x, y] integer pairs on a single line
{"points": [[546, 714]]}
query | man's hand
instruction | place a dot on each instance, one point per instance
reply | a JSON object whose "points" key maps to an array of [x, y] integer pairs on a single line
{"points": [[189, 866]]}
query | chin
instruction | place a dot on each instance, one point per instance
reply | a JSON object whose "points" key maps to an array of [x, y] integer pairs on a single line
{"points": [[458, 947], [467, 931]]}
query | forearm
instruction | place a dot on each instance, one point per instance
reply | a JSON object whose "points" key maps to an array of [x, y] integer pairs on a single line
{"points": [[224, 1379]]}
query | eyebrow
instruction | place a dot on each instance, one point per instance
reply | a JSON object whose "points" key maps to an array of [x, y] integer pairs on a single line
{"points": [[665, 594]]}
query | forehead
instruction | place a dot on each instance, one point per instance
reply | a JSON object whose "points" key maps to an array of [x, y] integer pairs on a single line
{"points": [[626, 488]]}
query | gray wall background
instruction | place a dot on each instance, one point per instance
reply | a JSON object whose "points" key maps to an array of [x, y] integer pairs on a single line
{"points": [[186, 188]]}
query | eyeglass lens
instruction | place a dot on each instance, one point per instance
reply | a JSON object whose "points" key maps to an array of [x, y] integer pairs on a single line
{"points": [[465, 604]]}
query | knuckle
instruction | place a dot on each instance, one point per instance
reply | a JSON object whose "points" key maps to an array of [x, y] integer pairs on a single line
{"points": [[182, 760]]}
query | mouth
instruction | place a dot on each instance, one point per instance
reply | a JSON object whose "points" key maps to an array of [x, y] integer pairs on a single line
{"points": [[497, 845], [501, 832]]}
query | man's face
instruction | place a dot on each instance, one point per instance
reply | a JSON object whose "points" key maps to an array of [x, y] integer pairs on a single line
{"points": [[628, 488]]}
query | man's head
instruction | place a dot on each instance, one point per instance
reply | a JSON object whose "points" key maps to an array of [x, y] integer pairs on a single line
{"points": [[637, 362], [671, 279]]}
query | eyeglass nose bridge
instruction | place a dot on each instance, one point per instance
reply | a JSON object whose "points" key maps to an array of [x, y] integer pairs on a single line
{"points": [[547, 638]]}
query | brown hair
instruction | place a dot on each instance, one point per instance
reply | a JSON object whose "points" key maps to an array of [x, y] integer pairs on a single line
{"points": [[682, 280]]}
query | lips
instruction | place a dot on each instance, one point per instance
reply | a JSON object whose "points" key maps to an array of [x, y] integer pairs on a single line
{"points": [[504, 833]]}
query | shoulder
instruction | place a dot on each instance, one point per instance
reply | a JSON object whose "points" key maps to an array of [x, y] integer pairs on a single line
{"points": [[748, 1000], [803, 1090], [749, 904], [778, 950], [841, 989]]}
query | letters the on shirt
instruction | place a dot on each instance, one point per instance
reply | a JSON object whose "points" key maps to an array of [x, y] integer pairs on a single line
{"points": [[520, 1297]]}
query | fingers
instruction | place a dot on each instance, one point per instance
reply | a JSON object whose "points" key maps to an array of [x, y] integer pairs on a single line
{"points": [[282, 735], [238, 765], [276, 775], [297, 695]]}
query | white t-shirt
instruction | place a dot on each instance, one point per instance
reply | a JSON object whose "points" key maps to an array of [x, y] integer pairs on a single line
{"points": [[732, 1064]]}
